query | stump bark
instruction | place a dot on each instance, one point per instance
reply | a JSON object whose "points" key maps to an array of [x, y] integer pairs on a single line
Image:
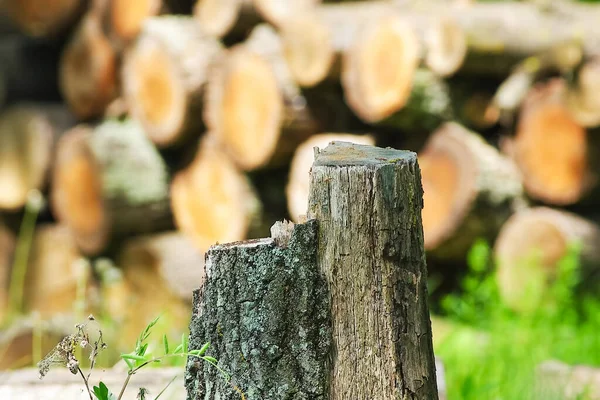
{"points": [[333, 308]]}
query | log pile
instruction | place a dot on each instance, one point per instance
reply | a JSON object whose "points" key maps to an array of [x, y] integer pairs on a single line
{"points": [[197, 119]]}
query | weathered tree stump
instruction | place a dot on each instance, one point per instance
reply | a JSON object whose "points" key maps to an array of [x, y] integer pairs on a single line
{"points": [[332, 308]]}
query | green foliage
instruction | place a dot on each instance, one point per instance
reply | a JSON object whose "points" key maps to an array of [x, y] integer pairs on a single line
{"points": [[502, 364], [102, 393]]}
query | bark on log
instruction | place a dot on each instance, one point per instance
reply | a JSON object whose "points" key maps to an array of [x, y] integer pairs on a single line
{"points": [[88, 68], [368, 204], [253, 107], [42, 17], [212, 200], [273, 331], [164, 75], [28, 135], [160, 272], [28, 69], [109, 181], [297, 187], [556, 155], [55, 273], [316, 41], [470, 191], [555, 380], [529, 246], [7, 248]]}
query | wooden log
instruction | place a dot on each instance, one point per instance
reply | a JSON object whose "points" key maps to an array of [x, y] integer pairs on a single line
{"points": [[212, 201], [297, 187], [218, 17], [7, 248], [559, 171], [43, 18], [278, 13], [470, 191], [28, 69], [254, 109], [583, 99], [164, 75], [88, 68], [558, 380], [56, 274], [28, 134], [161, 271], [529, 246], [317, 42], [60, 383], [125, 18], [109, 181], [368, 204]]}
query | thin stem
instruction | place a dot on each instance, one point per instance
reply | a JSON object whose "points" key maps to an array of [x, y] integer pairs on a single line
{"points": [[86, 383], [125, 384], [166, 387]]}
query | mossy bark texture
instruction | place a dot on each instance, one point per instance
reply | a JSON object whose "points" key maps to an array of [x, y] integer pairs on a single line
{"points": [[264, 310], [368, 203]]}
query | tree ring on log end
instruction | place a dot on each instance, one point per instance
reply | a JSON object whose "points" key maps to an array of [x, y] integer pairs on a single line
{"points": [[128, 16], [251, 109], [551, 147], [80, 206], [154, 80], [378, 69], [217, 17], [308, 49]]}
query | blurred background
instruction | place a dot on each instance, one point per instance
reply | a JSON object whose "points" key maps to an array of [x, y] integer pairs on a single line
{"points": [[134, 134]]}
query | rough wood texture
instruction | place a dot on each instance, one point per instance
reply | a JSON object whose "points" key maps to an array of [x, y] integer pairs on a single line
{"points": [[164, 75], [88, 68], [264, 309], [109, 181], [60, 383], [43, 17], [553, 151], [529, 247], [368, 204], [470, 191], [55, 273], [28, 135]]}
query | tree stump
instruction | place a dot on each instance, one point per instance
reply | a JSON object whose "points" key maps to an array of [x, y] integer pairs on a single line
{"points": [[332, 308]]}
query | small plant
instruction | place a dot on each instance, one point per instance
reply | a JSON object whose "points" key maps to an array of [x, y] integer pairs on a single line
{"points": [[64, 354]]}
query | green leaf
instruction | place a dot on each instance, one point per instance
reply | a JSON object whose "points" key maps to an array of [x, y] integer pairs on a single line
{"points": [[102, 393], [133, 357], [479, 255], [184, 342], [143, 349], [166, 343], [204, 348], [210, 359], [129, 363], [178, 349]]}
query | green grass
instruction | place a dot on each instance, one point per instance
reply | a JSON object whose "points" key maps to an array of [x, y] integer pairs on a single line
{"points": [[564, 326]]}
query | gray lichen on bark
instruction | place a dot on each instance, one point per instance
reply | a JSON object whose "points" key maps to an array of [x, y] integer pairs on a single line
{"points": [[368, 202], [264, 309]]}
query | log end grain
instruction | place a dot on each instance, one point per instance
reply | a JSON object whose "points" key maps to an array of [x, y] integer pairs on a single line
{"points": [[446, 44], [217, 17], [127, 17]]}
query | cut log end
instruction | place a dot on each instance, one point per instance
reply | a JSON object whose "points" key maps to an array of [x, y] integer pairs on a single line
{"points": [[297, 188], [551, 147], [446, 46], [528, 250], [377, 71], [307, 49], [88, 70], [211, 199], [152, 79], [127, 17], [77, 190], [245, 108], [278, 12], [583, 100], [217, 17]]}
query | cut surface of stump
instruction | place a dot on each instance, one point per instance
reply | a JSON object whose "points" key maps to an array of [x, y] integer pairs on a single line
{"points": [[164, 75], [28, 134], [297, 188], [160, 271], [552, 150], [88, 69], [55, 272], [470, 190], [368, 203], [109, 181], [531, 244], [264, 309], [212, 200]]}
